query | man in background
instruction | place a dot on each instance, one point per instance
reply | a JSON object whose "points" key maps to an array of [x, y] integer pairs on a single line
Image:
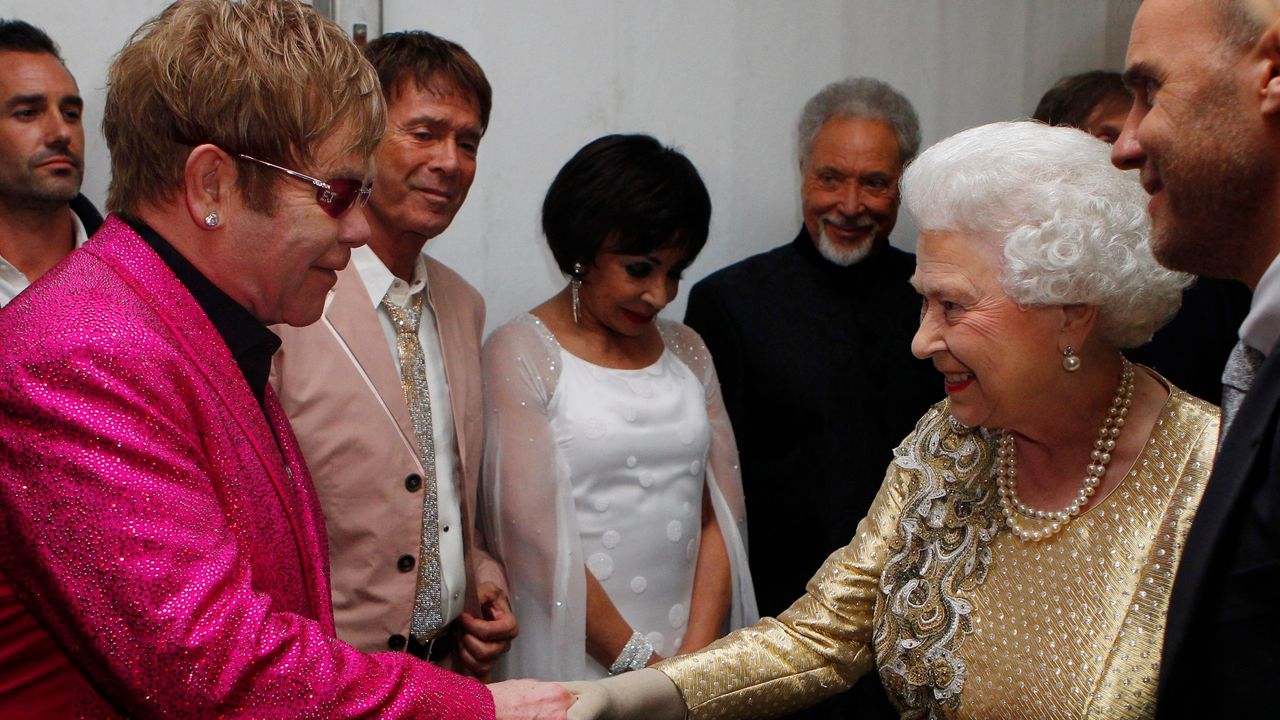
{"points": [[43, 216], [812, 344], [384, 392]]}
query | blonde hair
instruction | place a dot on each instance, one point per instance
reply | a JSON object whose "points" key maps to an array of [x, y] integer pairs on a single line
{"points": [[267, 78]]}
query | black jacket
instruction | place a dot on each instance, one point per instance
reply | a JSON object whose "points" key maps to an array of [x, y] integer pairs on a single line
{"points": [[1221, 652]]}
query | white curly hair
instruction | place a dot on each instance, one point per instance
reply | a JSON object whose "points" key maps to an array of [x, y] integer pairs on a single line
{"points": [[1075, 229]]}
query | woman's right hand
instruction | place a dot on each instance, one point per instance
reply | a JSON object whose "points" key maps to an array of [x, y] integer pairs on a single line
{"points": [[640, 695]]}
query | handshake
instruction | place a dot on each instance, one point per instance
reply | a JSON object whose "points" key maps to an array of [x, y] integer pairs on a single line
{"points": [[643, 695]]}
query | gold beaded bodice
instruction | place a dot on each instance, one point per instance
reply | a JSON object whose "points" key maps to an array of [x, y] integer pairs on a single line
{"points": [[964, 619]]}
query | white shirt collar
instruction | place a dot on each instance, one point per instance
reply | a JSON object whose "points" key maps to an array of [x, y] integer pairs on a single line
{"points": [[381, 283], [81, 233], [12, 281], [1261, 327]]}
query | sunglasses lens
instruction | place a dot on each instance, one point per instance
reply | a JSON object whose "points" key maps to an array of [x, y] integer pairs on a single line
{"points": [[342, 193]]}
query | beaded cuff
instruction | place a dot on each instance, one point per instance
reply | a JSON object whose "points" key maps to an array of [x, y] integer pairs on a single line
{"points": [[635, 654]]}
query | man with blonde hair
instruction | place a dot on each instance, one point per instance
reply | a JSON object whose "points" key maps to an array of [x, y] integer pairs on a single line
{"points": [[163, 550]]}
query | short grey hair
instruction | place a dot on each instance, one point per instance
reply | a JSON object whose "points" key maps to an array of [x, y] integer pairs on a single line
{"points": [[1073, 227], [1241, 23], [860, 97]]}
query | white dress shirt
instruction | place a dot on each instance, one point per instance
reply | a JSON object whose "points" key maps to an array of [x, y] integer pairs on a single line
{"points": [[380, 284], [1261, 327], [12, 281]]}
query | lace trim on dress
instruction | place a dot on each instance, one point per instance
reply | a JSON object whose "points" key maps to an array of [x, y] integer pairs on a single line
{"points": [[942, 549]]}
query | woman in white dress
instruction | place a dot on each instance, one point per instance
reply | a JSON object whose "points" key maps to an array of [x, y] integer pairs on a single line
{"points": [[611, 487]]}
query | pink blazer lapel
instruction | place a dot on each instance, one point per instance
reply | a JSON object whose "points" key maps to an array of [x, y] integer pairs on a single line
{"points": [[353, 318], [459, 363], [309, 517], [119, 246]]}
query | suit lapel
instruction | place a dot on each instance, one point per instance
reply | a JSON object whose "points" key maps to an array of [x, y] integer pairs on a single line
{"points": [[453, 350], [309, 519], [451, 346], [1232, 468], [156, 284], [354, 319]]}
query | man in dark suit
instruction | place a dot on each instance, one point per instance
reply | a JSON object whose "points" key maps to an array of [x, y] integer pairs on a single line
{"points": [[43, 216], [812, 343], [1205, 132]]}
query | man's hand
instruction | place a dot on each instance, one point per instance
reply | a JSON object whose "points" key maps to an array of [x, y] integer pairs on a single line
{"points": [[482, 640], [530, 700]]}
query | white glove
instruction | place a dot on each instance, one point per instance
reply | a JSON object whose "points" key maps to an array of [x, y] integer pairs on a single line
{"points": [[640, 695]]}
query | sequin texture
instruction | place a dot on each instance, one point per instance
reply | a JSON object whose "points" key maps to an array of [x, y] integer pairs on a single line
{"points": [[1070, 627], [163, 529]]}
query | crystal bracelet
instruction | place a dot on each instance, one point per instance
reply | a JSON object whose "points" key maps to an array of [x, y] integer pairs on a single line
{"points": [[635, 655]]}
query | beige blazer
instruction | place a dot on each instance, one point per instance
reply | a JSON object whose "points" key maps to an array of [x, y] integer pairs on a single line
{"points": [[340, 387]]}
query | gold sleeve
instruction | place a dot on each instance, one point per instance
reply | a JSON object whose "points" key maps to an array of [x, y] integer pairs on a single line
{"points": [[817, 648]]}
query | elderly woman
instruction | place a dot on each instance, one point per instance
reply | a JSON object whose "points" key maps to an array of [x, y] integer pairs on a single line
{"points": [[1018, 559], [610, 470]]}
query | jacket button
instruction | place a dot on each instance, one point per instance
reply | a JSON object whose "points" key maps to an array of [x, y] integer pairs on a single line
{"points": [[397, 642], [413, 483], [405, 563]]}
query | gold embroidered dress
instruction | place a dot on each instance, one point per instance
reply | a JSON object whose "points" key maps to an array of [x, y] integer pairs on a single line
{"points": [[961, 617]]}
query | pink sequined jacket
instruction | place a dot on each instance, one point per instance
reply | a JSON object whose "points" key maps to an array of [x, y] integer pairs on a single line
{"points": [[161, 537]]}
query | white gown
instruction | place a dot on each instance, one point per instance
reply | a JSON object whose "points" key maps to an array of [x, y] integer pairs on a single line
{"points": [[587, 465]]}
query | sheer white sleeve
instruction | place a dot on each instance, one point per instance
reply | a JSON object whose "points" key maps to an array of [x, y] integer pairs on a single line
{"points": [[724, 475], [528, 504]]}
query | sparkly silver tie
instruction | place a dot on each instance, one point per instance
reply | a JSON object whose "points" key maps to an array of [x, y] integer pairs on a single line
{"points": [[428, 617], [1238, 375]]}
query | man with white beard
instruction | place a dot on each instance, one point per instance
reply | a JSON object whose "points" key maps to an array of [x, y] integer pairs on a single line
{"points": [[811, 341]]}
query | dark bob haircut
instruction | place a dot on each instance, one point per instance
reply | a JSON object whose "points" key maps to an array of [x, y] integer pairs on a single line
{"points": [[626, 194]]}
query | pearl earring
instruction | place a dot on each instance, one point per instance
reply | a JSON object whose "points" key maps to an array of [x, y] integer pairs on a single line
{"points": [[1070, 361]]}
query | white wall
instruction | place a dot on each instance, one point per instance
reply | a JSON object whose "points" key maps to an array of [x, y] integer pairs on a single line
{"points": [[722, 79]]}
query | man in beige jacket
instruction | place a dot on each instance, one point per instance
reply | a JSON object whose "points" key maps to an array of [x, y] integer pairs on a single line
{"points": [[384, 392]]}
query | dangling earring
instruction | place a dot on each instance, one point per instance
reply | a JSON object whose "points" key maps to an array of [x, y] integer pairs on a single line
{"points": [[211, 220], [1070, 361], [574, 283]]}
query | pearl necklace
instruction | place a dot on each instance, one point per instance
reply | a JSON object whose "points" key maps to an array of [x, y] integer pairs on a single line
{"points": [[1006, 470]]}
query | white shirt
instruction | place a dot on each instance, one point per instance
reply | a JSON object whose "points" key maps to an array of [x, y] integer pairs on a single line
{"points": [[1261, 327], [380, 283], [12, 281]]}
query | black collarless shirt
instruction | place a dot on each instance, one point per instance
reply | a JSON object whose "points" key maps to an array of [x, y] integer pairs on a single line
{"points": [[250, 342]]}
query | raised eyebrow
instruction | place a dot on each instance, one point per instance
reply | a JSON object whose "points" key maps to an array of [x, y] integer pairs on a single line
{"points": [[31, 99], [346, 172], [437, 121]]}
